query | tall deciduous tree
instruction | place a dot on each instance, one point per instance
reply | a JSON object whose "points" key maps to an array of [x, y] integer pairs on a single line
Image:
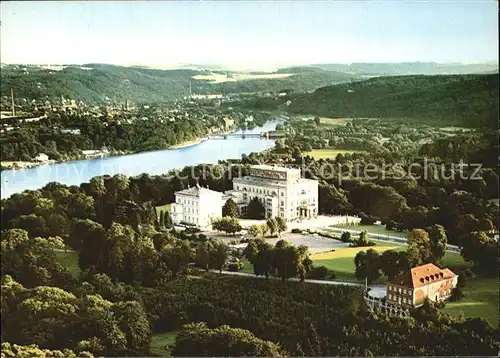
{"points": [[367, 265], [281, 225], [419, 247], [438, 241], [230, 208]]}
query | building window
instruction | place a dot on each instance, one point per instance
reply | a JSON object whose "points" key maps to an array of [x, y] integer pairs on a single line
{"points": [[282, 203], [282, 194], [282, 215]]}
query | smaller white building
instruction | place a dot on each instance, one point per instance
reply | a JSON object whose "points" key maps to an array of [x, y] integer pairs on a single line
{"points": [[197, 206], [42, 157]]}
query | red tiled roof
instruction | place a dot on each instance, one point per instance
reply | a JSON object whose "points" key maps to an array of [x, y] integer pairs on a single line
{"points": [[423, 275]]}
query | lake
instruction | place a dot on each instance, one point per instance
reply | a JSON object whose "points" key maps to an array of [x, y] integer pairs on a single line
{"points": [[154, 162]]}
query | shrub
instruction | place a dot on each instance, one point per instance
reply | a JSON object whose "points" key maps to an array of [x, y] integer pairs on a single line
{"points": [[318, 273], [346, 237], [391, 225], [235, 266]]}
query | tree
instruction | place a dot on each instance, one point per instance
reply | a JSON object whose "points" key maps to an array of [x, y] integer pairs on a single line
{"points": [[33, 262], [457, 293], [367, 265], [230, 208], [419, 247], [255, 230], [345, 237], [167, 220], [256, 209], [438, 240], [291, 261], [281, 225], [162, 219], [176, 256], [202, 256], [228, 224], [218, 254], [272, 225], [393, 263], [196, 339], [133, 321], [260, 254]]}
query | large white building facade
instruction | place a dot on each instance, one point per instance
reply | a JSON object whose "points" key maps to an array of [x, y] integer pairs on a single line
{"points": [[282, 190], [196, 206]]}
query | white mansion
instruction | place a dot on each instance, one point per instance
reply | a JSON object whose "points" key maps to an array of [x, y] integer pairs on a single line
{"points": [[282, 190], [196, 206]]}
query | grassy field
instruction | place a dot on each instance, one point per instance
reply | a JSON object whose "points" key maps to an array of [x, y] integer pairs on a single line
{"points": [[163, 208], [329, 153], [334, 121], [70, 260], [341, 261], [160, 340], [220, 78], [481, 300], [375, 229]]}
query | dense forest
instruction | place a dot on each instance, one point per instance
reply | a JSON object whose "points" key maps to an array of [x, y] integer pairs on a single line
{"points": [[470, 100], [95, 83]]}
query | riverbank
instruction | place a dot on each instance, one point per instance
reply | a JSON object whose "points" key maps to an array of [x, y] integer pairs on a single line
{"points": [[16, 165], [153, 162], [188, 143]]}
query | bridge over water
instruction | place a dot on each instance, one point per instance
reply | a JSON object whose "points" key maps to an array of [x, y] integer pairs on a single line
{"points": [[268, 135]]}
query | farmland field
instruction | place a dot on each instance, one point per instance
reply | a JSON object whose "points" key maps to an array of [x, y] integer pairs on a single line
{"points": [[220, 78], [329, 153]]}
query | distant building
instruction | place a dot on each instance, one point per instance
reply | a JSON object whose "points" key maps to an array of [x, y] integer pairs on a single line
{"points": [[228, 122], [42, 157], [71, 131], [89, 154], [426, 281], [282, 190], [196, 206]]}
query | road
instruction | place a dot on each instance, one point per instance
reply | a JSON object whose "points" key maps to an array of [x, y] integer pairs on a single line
{"points": [[390, 238], [375, 290]]}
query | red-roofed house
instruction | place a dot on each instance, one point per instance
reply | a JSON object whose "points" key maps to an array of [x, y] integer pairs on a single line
{"points": [[426, 281]]}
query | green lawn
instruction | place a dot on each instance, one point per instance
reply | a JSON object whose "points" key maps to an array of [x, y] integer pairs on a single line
{"points": [[341, 261], [481, 300], [329, 153], [375, 229], [165, 207], [248, 267], [328, 122], [70, 260], [160, 340]]}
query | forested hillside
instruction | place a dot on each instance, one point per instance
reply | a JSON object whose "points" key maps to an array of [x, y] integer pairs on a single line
{"points": [[96, 83], [470, 100], [409, 68]]}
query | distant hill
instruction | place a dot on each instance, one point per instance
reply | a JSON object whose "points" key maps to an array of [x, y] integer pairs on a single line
{"points": [[409, 68], [470, 100], [93, 83]]}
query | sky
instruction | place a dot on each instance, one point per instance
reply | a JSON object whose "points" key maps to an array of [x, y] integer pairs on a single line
{"points": [[248, 34]]}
